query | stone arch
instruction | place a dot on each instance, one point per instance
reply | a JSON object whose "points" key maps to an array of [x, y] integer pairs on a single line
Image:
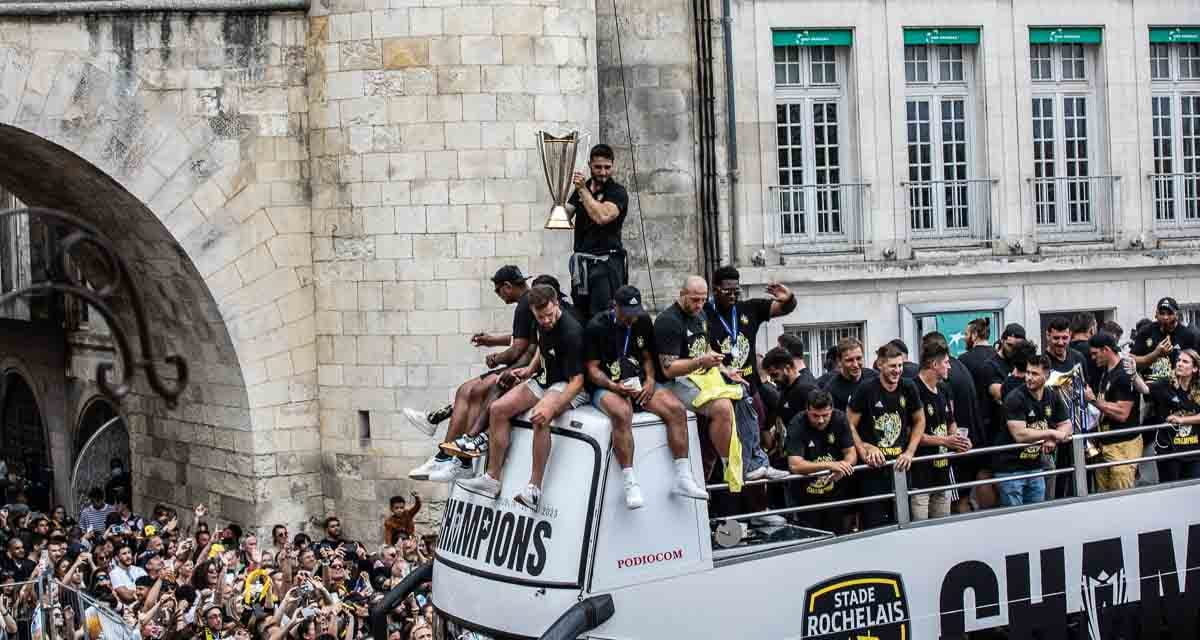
{"points": [[175, 133], [20, 413]]}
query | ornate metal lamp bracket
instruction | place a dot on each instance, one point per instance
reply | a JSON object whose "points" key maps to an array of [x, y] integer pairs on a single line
{"points": [[80, 234]]}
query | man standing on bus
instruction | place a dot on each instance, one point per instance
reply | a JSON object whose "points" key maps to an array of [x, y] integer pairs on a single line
{"points": [[1118, 403], [599, 205], [941, 433], [887, 421], [1156, 347], [619, 361], [559, 361], [818, 439], [851, 373], [1036, 416]]}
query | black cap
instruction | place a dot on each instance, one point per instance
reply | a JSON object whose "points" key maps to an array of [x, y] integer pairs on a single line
{"points": [[1104, 339], [508, 273], [1013, 330], [1167, 304], [629, 300]]}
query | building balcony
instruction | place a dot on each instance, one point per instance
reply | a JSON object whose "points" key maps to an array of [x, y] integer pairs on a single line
{"points": [[949, 213], [1176, 198], [1073, 208], [818, 218]]}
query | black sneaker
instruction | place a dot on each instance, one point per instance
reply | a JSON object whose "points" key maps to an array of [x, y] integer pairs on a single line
{"points": [[441, 415]]}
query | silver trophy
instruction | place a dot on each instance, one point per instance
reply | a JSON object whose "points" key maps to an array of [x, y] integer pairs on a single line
{"points": [[560, 156]]}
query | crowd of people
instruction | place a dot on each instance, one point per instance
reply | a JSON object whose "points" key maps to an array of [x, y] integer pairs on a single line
{"points": [[111, 574]]}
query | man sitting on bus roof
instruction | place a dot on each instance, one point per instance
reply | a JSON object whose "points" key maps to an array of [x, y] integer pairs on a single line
{"points": [[559, 361], [619, 361], [474, 396], [1119, 406]]}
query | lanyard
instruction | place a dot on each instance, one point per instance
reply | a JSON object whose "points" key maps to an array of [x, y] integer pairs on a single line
{"points": [[733, 316], [628, 332]]}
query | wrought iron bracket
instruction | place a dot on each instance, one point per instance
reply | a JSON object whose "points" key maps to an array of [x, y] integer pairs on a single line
{"points": [[63, 279]]}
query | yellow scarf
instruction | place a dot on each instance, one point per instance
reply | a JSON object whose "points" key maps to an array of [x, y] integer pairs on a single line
{"points": [[713, 386]]}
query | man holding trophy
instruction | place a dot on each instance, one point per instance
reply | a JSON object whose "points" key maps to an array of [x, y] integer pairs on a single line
{"points": [[599, 206]]}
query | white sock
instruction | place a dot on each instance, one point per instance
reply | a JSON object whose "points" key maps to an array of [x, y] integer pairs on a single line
{"points": [[682, 468], [627, 473]]}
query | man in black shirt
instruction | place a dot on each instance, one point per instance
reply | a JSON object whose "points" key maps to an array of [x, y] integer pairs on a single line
{"points": [[793, 387], [15, 560], [1156, 347], [1118, 403], [1083, 327], [599, 206], [1057, 347], [966, 411], [941, 433], [619, 361], [733, 324], [850, 375], [887, 421], [1033, 414], [819, 440], [558, 365], [977, 359], [468, 418], [681, 333]]}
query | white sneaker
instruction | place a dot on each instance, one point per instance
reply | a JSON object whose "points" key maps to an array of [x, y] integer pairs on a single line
{"points": [[633, 495], [451, 472], [529, 497], [484, 485], [767, 472], [686, 486], [420, 421], [422, 472]]}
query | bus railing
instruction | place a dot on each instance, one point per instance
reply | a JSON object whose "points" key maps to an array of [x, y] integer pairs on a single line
{"points": [[901, 492]]}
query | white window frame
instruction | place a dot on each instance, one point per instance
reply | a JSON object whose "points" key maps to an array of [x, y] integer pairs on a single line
{"points": [[821, 211], [955, 192], [1068, 207], [15, 258], [817, 338], [1175, 179], [1189, 314]]}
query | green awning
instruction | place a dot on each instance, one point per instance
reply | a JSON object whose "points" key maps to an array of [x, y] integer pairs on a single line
{"points": [[941, 36], [813, 38], [1174, 34], [1065, 35]]}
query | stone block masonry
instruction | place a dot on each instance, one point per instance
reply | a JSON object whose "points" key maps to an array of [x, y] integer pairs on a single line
{"points": [[425, 181]]}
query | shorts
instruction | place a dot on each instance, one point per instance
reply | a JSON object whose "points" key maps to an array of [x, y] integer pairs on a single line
{"points": [[685, 390], [539, 392], [599, 394]]}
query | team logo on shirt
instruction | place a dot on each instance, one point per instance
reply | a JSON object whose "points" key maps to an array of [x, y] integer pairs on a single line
{"points": [[614, 369], [861, 605], [820, 485], [888, 427]]}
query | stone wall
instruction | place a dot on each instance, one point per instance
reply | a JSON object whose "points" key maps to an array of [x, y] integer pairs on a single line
{"points": [[657, 47], [425, 180]]}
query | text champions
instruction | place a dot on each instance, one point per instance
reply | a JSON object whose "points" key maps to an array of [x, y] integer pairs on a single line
{"points": [[499, 538]]}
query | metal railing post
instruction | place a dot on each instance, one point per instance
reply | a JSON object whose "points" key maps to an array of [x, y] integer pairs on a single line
{"points": [[1079, 460], [903, 513]]}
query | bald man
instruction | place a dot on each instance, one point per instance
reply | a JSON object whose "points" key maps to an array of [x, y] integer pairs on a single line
{"points": [[681, 334]]}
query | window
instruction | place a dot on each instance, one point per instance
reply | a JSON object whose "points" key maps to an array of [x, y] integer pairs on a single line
{"points": [[811, 136], [819, 338], [1070, 194], [1189, 314], [1175, 134], [939, 103], [15, 265], [953, 325]]}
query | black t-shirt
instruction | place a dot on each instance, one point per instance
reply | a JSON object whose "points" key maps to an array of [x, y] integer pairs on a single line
{"points": [[748, 315], [1089, 367], [562, 350], [679, 334], [620, 350], [1116, 386], [1170, 400], [939, 415], [21, 568], [524, 324], [1073, 359], [595, 238], [842, 388], [1147, 340], [815, 445], [966, 403], [887, 416], [910, 370], [1020, 405], [794, 398], [978, 361]]}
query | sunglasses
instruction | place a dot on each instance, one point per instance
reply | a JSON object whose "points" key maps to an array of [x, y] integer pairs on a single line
{"points": [[337, 566]]}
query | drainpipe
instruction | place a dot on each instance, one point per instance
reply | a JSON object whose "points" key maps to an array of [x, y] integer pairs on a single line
{"points": [[731, 147]]}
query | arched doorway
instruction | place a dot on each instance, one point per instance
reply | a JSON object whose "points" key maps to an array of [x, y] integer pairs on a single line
{"points": [[23, 443], [102, 437]]}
